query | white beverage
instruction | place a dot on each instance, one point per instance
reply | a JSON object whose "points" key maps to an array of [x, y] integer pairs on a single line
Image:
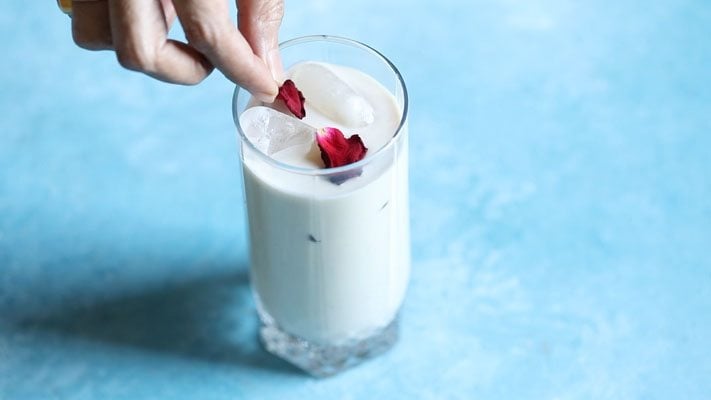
{"points": [[330, 262]]}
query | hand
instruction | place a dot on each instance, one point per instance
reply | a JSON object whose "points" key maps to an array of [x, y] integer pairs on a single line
{"points": [[137, 30]]}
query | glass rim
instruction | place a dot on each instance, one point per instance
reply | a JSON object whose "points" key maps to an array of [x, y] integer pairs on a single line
{"points": [[335, 170]]}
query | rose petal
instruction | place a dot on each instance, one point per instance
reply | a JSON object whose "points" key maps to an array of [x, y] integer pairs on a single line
{"points": [[336, 150], [292, 98]]}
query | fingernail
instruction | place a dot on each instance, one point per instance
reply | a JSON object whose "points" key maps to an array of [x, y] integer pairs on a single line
{"points": [[275, 65], [264, 97]]}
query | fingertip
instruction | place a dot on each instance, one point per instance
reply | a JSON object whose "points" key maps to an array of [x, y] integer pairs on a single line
{"points": [[267, 97]]}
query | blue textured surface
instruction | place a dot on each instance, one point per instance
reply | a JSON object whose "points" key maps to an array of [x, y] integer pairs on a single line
{"points": [[561, 211]]}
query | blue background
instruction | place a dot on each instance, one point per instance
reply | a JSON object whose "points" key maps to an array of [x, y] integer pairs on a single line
{"points": [[561, 210]]}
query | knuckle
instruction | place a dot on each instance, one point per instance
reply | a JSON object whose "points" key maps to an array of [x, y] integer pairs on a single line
{"points": [[271, 12], [83, 38], [202, 35], [135, 56], [81, 41], [194, 80]]}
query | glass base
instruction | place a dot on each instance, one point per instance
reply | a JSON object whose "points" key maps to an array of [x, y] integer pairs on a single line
{"points": [[326, 360]]}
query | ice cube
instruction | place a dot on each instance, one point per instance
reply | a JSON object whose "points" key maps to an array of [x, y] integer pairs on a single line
{"points": [[272, 131], [325, 91]]}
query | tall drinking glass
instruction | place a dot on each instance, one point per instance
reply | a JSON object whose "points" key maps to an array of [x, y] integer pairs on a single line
{"points": [[329, 248]]}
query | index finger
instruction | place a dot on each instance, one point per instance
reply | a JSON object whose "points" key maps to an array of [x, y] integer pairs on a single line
{"points": [[209, 30]]}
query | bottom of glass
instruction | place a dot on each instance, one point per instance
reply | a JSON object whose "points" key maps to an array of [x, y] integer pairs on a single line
{"points": [[325, 360]]}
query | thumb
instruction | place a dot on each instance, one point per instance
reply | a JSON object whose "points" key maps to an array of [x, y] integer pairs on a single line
{"points": [[259, 22]]}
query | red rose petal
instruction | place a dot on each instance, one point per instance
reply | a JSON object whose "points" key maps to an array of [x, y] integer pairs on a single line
{"points": [[336, 150], [293, 98]]}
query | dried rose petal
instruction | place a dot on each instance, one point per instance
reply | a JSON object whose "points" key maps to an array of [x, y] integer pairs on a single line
{"points": [[292, 98], [336, 150]]}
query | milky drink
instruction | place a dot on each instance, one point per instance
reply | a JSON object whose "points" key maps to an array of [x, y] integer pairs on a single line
{"points": [[330, 255]]}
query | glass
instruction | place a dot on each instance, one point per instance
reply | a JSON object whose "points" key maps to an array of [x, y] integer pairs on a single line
{"points": [[329, 262]]}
